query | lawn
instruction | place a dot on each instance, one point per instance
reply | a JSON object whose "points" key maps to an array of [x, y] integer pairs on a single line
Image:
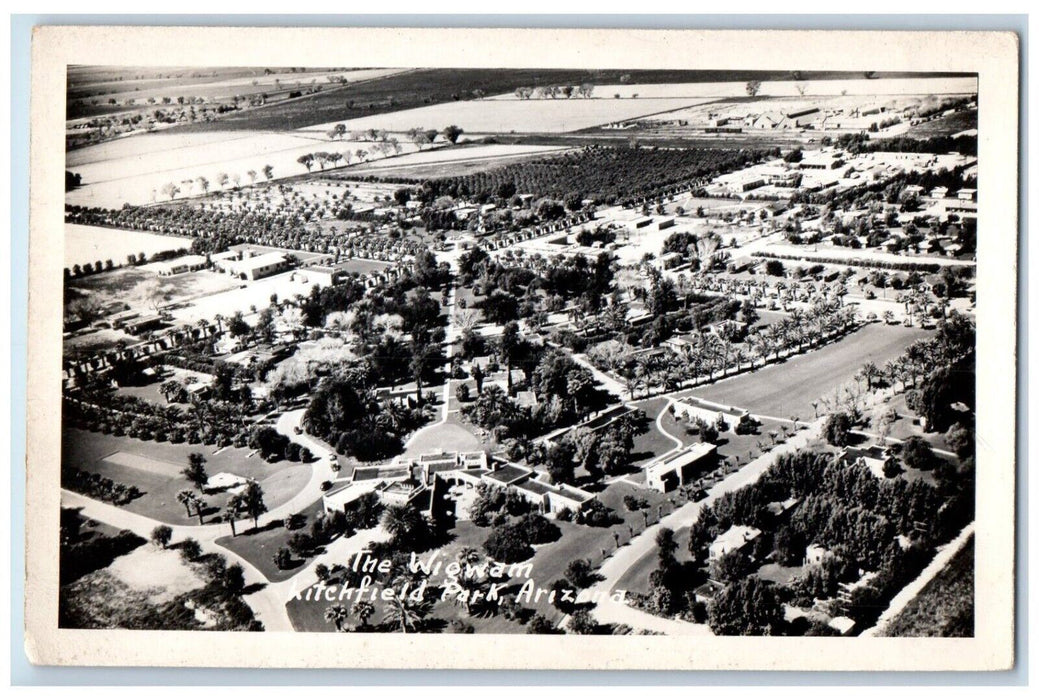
{"points": [[636, 578], [158, 466], [259, 546], [788, 388], [651, 443], [945, 607]]}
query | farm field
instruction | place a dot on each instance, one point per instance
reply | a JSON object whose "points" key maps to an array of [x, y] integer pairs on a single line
{"points": [[945, 607], [832, 86], [215, 87], [946, 126], [452, 162], [155, 469], [146, 162], [522, 116], [433, 86], [88, 244], [788, 388]]}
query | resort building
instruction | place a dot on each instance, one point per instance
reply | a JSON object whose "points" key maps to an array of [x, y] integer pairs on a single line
{"points": [[676, 470]]}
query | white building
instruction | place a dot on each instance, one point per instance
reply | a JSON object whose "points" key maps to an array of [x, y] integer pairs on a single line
{"points": [[676, 470], [734, 539]]}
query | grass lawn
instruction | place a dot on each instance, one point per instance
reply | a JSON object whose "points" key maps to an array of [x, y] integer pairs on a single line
{"points": [[789, 387], [945, 607], [259, 546], [651, 443], [636, 578], [158, 471]]}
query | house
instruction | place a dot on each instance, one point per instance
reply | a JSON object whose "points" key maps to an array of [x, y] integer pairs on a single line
{"points": [[736, 538], [814, 554], [321, 275], [177, 266], [341, 496], [691, 409], [674, 471], [844, 625], [967, 194], [876, 458], [821, 161], [767, 120], [254, 267]]}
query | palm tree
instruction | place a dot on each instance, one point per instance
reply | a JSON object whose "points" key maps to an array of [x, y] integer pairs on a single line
{"points": [[233, 510], [405, 615], [186, 498], [337, 615], [364, 611]]}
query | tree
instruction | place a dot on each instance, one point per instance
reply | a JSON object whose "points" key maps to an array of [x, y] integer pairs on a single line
{"points": [[252, 499], [337, 615], [162, 535], [451, 133], [233, 511], [582, 622], [186, 498], [405, 615], [836, 430], [580, 573], [405, 524], [363, 610], [190, 549], [234, 579], [282, 558], [748, 607], [539, 624], [306, 160], [508, 345], [753, 86], [195, 472], [268, 172], [917, 454]]}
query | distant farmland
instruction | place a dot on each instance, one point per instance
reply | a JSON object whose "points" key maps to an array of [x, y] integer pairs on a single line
{"points": [[423, 87]]}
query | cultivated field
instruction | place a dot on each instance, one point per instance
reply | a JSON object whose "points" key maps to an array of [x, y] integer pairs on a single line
{"points": [[136, 169], [88, 244], [788, 388], [451, 162], [519, 116]]}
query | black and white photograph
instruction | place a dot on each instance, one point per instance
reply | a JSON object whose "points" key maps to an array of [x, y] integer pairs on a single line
{"points": [[369, 350]]}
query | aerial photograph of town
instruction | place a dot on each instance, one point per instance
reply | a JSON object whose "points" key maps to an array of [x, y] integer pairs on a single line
{"points": [[519, 351]]}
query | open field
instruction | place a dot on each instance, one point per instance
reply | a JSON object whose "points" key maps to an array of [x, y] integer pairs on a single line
{"points": [[449, 162], [156, 470], [433, 86], [135, 169], [143, 289], [946, 126], [88, 244], [217, 85], [789, 387], [522, 116], [830, 86], [945, 607]]}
